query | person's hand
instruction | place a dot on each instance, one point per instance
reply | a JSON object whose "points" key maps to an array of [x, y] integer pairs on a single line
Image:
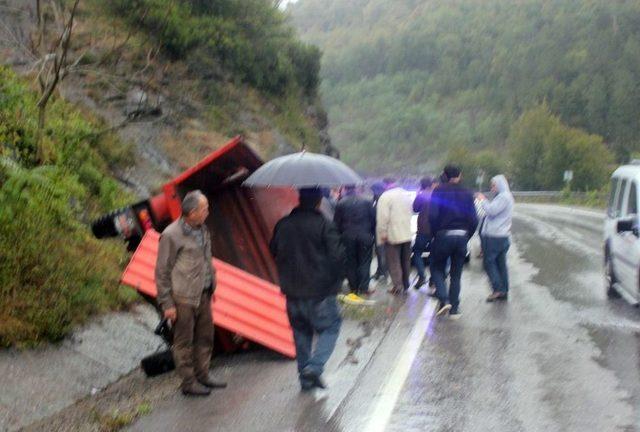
{"points": [[384, 239], [171, 314], [480, 196]]}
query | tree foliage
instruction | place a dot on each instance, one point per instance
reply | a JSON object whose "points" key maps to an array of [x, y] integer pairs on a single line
{"points": [[423, 77], [248, 39], [544, 148], [484, 164]]}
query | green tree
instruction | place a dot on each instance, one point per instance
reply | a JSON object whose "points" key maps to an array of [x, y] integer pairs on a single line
{"points": [[527, 139], [543, 148]]}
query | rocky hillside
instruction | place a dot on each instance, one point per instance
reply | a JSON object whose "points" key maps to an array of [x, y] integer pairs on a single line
{"points": [[178, 78], [134, 91]]}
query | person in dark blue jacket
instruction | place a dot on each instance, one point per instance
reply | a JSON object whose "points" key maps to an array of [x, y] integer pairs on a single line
{"points": [[453, 220]]}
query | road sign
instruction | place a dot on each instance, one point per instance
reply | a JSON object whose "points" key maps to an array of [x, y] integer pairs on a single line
{"points": [[568, 176]]}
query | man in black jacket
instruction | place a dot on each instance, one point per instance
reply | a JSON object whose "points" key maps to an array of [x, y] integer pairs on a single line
{"points": [[310, 261], [355, 219], [423, 236], [453, 220]]}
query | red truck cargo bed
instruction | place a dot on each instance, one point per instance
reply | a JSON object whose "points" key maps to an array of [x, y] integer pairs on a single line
{"points": [[243, 303]]}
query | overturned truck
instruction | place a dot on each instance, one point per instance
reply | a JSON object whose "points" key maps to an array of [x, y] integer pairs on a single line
{"points": [[247, 306]]}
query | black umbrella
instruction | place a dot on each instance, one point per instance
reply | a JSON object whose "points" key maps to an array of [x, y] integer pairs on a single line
{"points": [[303, 170]]}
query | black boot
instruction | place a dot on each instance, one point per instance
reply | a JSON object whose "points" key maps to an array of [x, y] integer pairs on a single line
{"points": [[195, 389], [208, 382]]}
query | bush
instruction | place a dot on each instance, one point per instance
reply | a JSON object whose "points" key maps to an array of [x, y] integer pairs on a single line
{"points": [[53, 273]]}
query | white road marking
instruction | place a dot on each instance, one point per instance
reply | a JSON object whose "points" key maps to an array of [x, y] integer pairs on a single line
{"points": [[381, 413]]}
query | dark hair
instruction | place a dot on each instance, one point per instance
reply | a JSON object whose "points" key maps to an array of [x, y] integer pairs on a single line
{"points": [[191, 201], [349, 190], [377, 188], [388, 180], [426, 182], [452, 171], [310, 197]]}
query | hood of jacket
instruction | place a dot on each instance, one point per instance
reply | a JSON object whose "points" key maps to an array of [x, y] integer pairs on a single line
{"points": [[502, 185]]}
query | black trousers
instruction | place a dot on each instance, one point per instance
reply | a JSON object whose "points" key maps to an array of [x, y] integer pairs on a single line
{"points": [[444, 248], [381, 256], [359, 253]]}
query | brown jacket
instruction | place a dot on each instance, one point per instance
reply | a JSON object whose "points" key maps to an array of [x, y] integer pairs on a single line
{"points": [[181, 266]]}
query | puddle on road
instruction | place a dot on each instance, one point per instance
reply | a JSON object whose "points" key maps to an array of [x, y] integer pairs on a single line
{"points": [[620, 352], [559, 267]]}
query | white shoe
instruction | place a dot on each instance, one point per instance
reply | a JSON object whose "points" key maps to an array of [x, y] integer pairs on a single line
{"points": [[455, 316], [443, 308]]}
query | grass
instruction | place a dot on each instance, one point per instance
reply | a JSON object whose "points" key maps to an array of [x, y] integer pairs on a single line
{"points": [[117, 420], [361, 312], [53, 274]]}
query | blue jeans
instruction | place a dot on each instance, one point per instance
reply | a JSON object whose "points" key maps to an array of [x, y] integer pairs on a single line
{"points": [[319, 316], [420, 246], [443, 249], [495, 262]]}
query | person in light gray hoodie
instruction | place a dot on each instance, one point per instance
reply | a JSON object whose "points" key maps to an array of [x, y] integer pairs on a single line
{"points": [[495, 234]]}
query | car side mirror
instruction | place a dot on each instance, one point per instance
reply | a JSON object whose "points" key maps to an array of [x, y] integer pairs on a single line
{"points": [[627, 225]]}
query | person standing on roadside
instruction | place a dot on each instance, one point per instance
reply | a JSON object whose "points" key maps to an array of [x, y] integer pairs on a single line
{"points": [[423, 236], [453, 220], [378, 189], [356, 220], [393, 230], [186, 280], [310, 261], [495, 234]]}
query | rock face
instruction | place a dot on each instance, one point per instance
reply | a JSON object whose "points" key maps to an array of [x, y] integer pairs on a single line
{"points": [[320, 121]]}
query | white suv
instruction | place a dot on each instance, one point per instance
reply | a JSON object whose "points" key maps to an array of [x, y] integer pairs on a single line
{"points": [[621, 234]]}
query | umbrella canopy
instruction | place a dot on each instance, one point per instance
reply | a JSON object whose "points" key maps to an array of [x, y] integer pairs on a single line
{"points": [[303, 170]]}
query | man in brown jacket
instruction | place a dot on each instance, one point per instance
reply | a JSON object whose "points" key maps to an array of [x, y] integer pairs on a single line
{"points": [[186, 279]]}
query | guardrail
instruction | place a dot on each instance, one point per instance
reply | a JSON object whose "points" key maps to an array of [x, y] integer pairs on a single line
{"points": [[595, 199], [544, 194]]}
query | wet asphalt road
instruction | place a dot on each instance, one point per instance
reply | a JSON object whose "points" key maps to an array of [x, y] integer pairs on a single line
{"points": [[559, 356]]}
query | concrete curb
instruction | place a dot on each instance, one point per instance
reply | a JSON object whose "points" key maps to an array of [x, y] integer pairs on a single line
{"points": [[40, 382]]}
